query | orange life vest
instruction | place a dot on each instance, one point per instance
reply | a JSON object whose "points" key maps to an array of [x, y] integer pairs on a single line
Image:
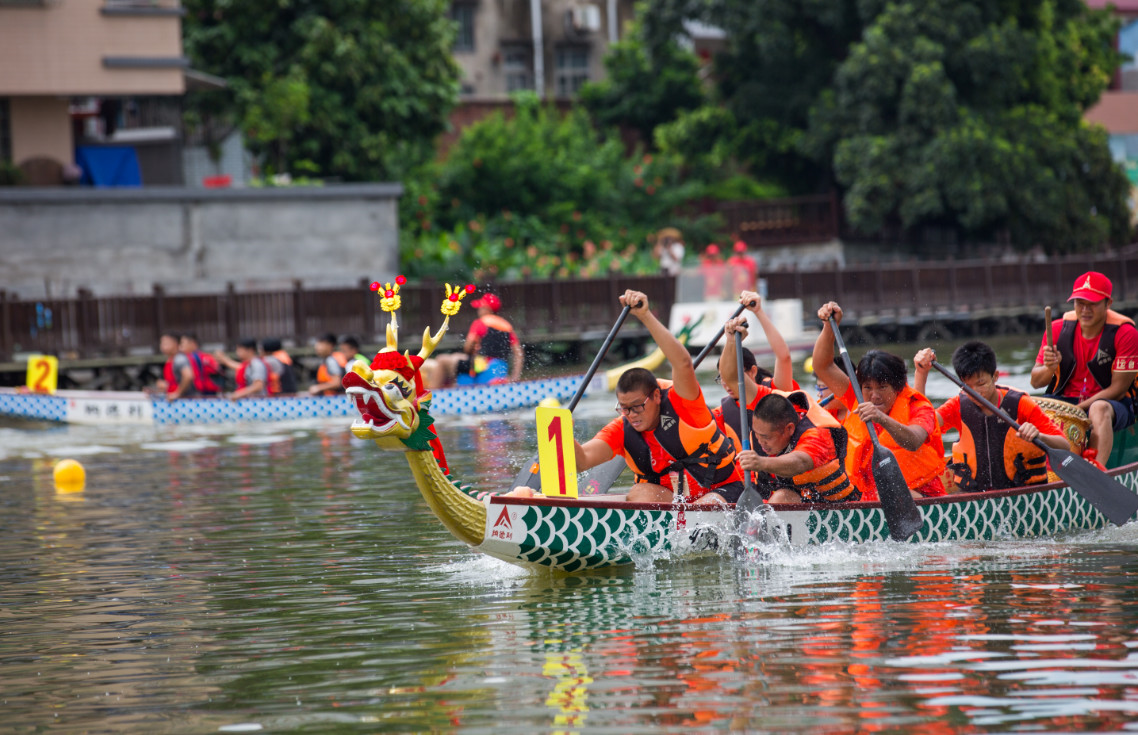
{"points": [[826, 484], [989, 455], [322, 375], [704, 452], [919, 468]]}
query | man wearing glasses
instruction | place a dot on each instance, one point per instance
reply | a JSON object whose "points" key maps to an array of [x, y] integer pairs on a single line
{"points": [[665, 427]]}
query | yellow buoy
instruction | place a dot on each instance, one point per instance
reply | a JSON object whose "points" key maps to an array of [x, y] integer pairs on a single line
{"points": [[550, 402], [69, 476], [808, 365]]}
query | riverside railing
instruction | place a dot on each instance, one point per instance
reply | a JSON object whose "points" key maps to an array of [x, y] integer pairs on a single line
{"points": [[89, 326], [542, 310]]}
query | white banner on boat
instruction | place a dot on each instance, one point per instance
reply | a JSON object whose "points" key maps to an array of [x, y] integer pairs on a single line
{"points": [[96, 408], [786, 314]]}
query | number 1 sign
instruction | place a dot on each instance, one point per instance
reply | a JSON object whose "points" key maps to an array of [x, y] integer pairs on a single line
{"points": [[555, 455]]}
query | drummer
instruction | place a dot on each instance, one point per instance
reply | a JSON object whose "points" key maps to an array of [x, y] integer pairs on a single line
{"points": [[1094, 362], [1010, 459]]}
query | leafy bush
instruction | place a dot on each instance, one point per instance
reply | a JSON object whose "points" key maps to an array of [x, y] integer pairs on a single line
{"points": [[539, 194]]}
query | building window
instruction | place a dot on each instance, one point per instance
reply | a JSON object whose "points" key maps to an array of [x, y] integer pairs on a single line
{"points": [[463, 14], [5, 131], [516, 65], [572, 69]]}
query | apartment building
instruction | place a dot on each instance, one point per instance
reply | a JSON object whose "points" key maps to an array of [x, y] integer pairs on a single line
{"points": [[551, 47], [72, 73]]}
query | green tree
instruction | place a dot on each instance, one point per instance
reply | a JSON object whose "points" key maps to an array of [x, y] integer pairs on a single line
{"points": [[343, 88], [965, 115], [643, 90]]}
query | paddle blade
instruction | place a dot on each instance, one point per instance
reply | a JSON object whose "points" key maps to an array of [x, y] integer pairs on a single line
{"points": [[901, 513], [749, 501], [598, 480], [529, 475], [1108, 496], [595, 481]]}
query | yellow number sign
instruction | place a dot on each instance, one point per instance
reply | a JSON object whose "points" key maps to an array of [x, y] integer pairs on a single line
{"points": [[43, 373], [555, 453]]}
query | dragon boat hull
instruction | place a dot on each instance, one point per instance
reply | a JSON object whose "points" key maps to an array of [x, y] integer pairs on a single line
{"points": [[117, 407], [577, 535]]}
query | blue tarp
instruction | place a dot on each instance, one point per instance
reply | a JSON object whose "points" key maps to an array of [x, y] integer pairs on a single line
{"points": [[108, 166]]}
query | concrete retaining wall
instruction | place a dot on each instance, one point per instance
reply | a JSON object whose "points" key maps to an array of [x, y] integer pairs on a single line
{"points": [[120, 241]]}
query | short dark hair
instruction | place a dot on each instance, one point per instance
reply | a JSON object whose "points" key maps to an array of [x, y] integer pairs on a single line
{"points": [[748, 363], [270, 344], [327, 337], [882, 367], [248, 343], [190, 336], [776, 410], [973, 358], [637, 379], [176, 336], [350, 341]]}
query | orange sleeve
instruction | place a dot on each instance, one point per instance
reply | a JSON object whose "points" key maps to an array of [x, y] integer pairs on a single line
{"points": [[613, 434], [819, 444], [950, 413], [761, 393], [694, 412], [1031, 413], [924, 415], [849, 398]]}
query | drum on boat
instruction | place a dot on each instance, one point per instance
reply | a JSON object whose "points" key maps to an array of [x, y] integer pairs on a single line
{"points": [[1074, 422]]}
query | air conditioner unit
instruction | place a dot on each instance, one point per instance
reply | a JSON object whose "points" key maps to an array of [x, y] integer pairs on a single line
{"points": [[584, 18]]}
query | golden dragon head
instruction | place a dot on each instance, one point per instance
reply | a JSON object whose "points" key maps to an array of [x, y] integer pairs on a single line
{"points": [[390, 394]]}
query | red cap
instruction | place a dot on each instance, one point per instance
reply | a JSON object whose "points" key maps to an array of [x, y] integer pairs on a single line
{"points": [[712, 249], [489, 300], [740, 246], [1091, 286]]}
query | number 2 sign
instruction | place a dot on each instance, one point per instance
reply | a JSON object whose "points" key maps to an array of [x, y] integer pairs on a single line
{"points": [[555, 454], [43, 373]]}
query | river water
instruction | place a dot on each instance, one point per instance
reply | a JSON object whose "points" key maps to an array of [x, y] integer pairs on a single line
{"points": [[291, 579]]}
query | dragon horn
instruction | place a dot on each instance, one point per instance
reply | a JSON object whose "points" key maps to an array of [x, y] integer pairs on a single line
{"points": [[431, 342], [393, 336]]}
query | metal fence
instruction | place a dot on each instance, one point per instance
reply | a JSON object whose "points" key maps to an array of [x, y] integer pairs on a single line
{"points": [[88, 326], [542, 310]]}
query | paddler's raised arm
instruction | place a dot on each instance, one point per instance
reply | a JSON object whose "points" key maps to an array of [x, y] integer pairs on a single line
{"points": [[783, 363], [824, 367], [728, 362], [684, 381]]}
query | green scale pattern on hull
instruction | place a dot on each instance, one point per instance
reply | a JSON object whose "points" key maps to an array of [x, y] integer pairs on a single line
{"points": [[578, 538]]}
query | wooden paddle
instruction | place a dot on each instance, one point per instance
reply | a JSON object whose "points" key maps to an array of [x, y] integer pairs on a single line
{"points": [[1050, 336], [529, 476], [750, 500], [901, 514], [1109, 496], [604, 476]]}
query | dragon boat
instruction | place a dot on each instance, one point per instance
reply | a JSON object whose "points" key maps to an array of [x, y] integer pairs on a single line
{"points": [[574, 535], [125, 407]]}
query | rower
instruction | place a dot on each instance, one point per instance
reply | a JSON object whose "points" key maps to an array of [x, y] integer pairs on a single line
{"points": [[904, 419], [989, 454], [798, 449], [665, 428], [1094, 362]]}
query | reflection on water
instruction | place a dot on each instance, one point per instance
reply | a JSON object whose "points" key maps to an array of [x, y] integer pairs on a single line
{"points": [[292, 579]]}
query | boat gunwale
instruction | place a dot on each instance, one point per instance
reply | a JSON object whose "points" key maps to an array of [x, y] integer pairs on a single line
{"points": [[796, 507]]}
